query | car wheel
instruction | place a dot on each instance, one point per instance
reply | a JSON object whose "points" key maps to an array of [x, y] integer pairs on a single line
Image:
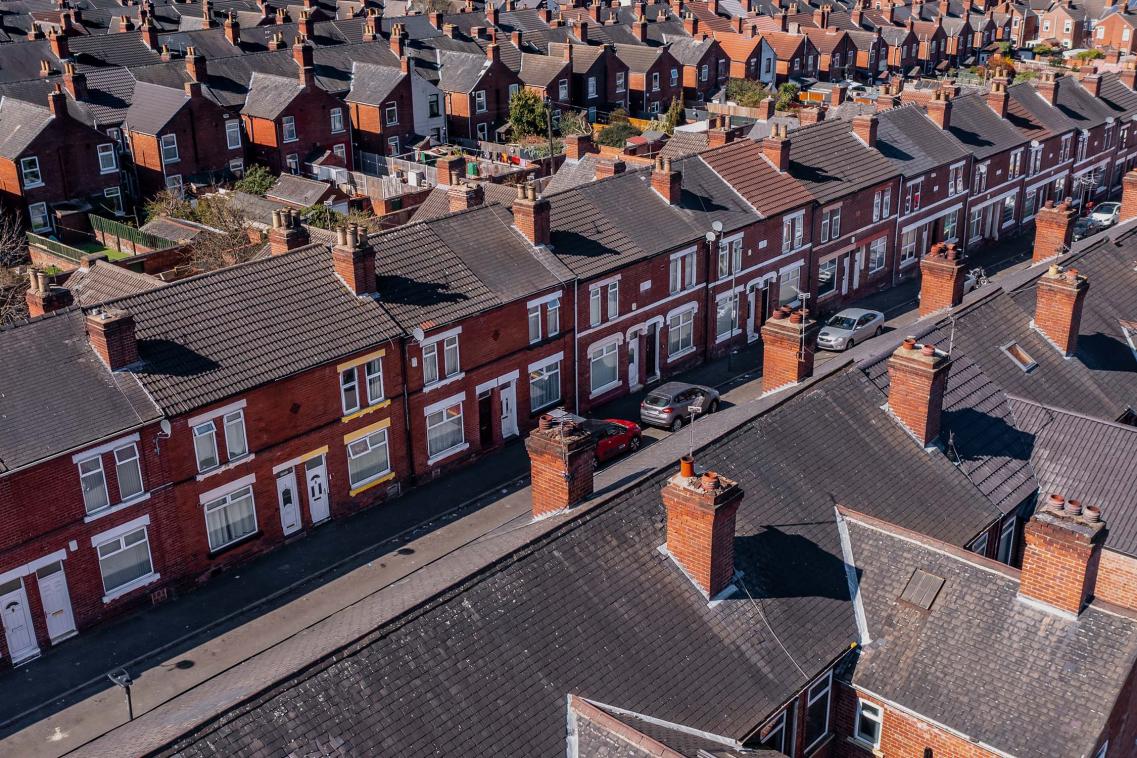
{"points": [[714, 406], [850, 343], [878, 332], [677, 424], [634, 445]]}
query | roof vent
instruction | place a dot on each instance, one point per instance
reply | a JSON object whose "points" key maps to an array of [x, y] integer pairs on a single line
{"points": [[922, 589]]}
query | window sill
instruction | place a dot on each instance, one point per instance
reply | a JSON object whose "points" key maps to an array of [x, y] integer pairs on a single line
{"points": [[605, 389], [364, 411], [374, 482], [443, 382], [447, 453], [104, 172], [116, 508], [290, 141], [34, 186], [729, 335], [227, 467], [855, 742], [681, 354], [235, 543], [909, 262], [129, 587]]}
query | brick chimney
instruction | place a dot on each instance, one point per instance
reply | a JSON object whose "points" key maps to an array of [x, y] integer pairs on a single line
{"points": [[287, 233], [354, 260], [560, 465], [578, 145], [701, 514], [1129, 195], [531, 214], [450, 169], [941, 279], [787, 349], [232, 30], [1128, 74], [609, 167], [150, 35], [667, 181], [74, 81], [1053, 230], [811, 115], [1092, 83], [398, 39], [1059, 296], [719, 136], [307, 24], [302, 54], [493, 52], [639, 29], [44, 297], [207, 13], [464, 196], [998, 97], [57, 103], [435, 19], [1047, 86], [196, 67], [691, 24], [776, 147], [111, 333], [917, 376], [939, 109], [1063, 549], [59, 46]]}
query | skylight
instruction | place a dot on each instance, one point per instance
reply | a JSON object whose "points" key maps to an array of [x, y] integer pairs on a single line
{"points": [[1019, 355]]}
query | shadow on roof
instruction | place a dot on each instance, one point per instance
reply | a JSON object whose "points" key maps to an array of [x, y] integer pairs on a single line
{"points": [[812, 571], [1104, 352], [399, 290], [173, 359]]}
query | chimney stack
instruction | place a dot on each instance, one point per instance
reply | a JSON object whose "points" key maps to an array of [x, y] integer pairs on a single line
{"points": [[998, 97], [939, 109], [579, 145], [398, 39], [287, 233], [74, 81], [531, 214], [1063, 549], [560, 465], [691, 24], [776, 147], [1047, 86], [307, 24], [354, 260], [701, 514], [917, 376], [57, 103], [667, 181], [606, 167], [1053, 230], [464, 196], [302, 54], [196, 67], [787, 349], [207, 13], [59, 45], [1059, 295], [44, 297], [1128, 196], [1128, 74], [232, 30], [941, 279], [1092, 82], [111, 333], [150, 35]]}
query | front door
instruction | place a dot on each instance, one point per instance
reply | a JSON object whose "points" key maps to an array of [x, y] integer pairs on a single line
{"points": [[17, 619], [508, 410], [634, 361], [845, 260], [651, 354], [317, 475], [289, 501], [485, 419], [56, 601]]}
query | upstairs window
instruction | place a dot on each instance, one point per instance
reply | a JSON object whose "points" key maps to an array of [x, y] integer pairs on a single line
{"points": [[563, 90], [870, 718], [391, 114], [817, 712], [232, 134], [169, 148], [288, 125], [437, 367], [912, 197], [674, 77], [655, 81], [337, 120], [370, 374], [29, 172], [108, 161], [433, 106], [480, 101], [620, 81]]}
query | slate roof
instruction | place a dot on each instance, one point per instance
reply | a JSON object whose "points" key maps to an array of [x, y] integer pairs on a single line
{"points": [[153, 106], [212, 336], [638, 58], [1081, 107], [373, 85], [583, 56], [297, 190], [573, 173], [832, 161], [20, 124], [979, 660], [66, 392], [684, 142], [980, 129], [913, 143], [105, 281], [268, 95], [460, 72], [1117, 96], [1032, 115], [541, 70], [685, 743], [689, 51], [437, 203]]}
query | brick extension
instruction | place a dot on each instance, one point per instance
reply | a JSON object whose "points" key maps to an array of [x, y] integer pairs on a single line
{"points": [[700, 525], [1063, 550], [1059, 296], [941, 279], [560, 466], [917, 376], [1053, 230], [787, 350]]}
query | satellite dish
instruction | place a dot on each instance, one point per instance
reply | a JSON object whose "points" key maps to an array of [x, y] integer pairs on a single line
{"points": [[418, 334], [710, 236], [717, 226], [164, 425]]}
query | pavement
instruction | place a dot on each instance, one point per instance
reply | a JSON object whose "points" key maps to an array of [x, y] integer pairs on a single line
{"points": [[276, 602]]}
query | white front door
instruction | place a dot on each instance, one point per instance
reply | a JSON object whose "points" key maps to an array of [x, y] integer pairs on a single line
{"points": [[56, 601], [845, 260], [18, 631], [751, 308], [289, 501], [509, 410], [858, 263], [316, 474], [634, 361]]}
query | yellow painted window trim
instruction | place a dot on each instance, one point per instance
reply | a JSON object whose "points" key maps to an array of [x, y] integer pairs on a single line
{"points": [[360, 360], [370, 429], [365, 411], [369, 485]]}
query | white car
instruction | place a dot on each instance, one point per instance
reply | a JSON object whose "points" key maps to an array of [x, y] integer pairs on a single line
{"points": [[1106, 214], [849, 327]]}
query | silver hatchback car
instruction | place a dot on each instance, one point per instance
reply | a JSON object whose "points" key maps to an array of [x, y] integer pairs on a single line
{"points": [[849, 327], [669, 405]]}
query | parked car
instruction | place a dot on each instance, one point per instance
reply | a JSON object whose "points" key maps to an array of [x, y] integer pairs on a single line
{"points": [[849, 327], [1085, 227], [1106, 214], [614, 436], [669, 405]]}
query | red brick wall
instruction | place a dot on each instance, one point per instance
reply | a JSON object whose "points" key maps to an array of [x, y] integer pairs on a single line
{"points": [[1117, 579], [202, 146], [371, 132], [312, 111], [462, 121]]}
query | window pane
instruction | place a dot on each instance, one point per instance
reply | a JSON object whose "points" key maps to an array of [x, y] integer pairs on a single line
{"points": [[534, 323], [444, 430], [553, 317], [235, 442], [205, 446], [604, 367], [230, 518], [128, 473], [451, 357], [348, 394], [131, 562], [367, 458], [374, 373], [430, 364], [545, 386], [94, 484], [817, 714]]}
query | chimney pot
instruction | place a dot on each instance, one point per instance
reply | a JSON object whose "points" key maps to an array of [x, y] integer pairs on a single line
{"points": [[917, 380], [1053, 230], [354, 263], [531, 215], [560, 466], [941, 280], [776, 148], [667, 182], [701, 526]]}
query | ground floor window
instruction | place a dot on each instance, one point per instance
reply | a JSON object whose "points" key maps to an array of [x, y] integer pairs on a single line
{"points": [[125, 559], [908, 246], [878, 253], [788, 285], [1009, 210], [1028, 203], [975, 224], [545, 386], [38, 214], [726, 316], [827, 277], [951, 226], [230, 518], [604, 367], [681, 333], [114, 200], [869, 720], [444, 430], [368, 458]]}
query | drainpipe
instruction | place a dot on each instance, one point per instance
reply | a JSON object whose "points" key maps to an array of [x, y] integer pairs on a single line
{"points": [[576, 343], [898, 235], [407, 414]]}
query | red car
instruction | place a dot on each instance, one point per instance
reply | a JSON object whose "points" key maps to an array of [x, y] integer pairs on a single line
{"points": [[614, 436]]}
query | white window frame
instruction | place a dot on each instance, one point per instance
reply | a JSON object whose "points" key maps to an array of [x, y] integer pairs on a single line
{"points": [[233, 130], [201, 431], [811, 699], [598, 353], [95, 471], [232, 425], [225, 501], [595, 306], [107, 151], [613, 300], [563, 90], [451, 358], [335, 116], [430, 358], [114, 194], [27, 166], [39, 210], [553, 318], [288, 131], [533, 316], [119, 535], [169, 142], [480, 101], [621, 81], [677, 323], [592, 86], [441, 410], [122, 462], [882, 244], [542, 371], [1006, 548], [731, 298], [391, 114], [174, 184], [877, 720], [374, 441]]}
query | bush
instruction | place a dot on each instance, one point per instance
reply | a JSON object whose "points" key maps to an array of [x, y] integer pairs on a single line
{"points": [[527, 114], [257, 180], [617, 134], [787, 96], [745, 92], [1089, 55], [321, 216], [171, 204]]}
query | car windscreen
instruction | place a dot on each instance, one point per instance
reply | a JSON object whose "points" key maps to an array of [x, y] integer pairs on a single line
{"points": [[655, 400], [842, 322]]}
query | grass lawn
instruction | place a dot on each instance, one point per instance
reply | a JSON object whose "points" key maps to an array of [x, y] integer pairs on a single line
{"points": [[96, 247]]}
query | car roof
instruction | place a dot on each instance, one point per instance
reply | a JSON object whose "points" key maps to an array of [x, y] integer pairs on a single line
{"points": [[1107, 204], [855, 312], [670, 388]]}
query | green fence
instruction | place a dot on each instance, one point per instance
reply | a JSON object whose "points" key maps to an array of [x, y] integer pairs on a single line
{"points": [[126, 237], [56, 248]]}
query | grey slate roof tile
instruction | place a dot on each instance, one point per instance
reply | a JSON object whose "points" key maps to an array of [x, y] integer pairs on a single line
{"points": [[153, 106], [832, 162], [980, 130], [269, 95], [372, 85], [105, 281], [913, 143]]}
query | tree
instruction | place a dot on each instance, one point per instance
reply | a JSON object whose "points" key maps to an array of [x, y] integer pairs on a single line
{"points": [[787, 96], [1089, 55], [257, 180], [527, 114], [746, 92], [617, 134], [227, 243], [321, 216], [671, 119], [574, 122], [170, 205], [13, 255]]}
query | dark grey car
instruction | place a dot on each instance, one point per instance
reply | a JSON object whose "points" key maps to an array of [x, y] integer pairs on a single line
{"points": [[669, 405]]}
